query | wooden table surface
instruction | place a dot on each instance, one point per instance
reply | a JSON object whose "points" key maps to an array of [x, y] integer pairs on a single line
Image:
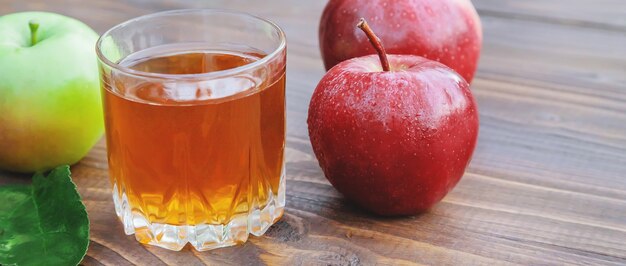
{"points": [[547, 184]]}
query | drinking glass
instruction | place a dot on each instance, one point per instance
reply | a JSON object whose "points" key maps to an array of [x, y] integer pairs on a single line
{"points": [[194, 104]]}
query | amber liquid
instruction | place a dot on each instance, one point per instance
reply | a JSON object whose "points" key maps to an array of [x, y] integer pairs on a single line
{"points": [[191, 158]]}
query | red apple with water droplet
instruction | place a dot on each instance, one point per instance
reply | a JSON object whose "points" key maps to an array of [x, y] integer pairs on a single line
{"points": [[448, 31], [394, 133]]}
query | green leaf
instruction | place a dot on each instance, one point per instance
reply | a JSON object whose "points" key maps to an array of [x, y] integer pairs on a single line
{"points": [[44, 223]]}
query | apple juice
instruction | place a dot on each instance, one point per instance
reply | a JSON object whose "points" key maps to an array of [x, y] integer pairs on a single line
{"points": [[195, 152]]}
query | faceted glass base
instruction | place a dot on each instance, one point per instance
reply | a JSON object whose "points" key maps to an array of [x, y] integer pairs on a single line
{"points": [[203, 236]]}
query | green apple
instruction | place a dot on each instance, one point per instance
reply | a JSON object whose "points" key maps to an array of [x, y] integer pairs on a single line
{"points": [[50, 108]]}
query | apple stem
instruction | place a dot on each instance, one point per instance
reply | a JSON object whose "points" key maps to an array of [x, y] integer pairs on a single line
{"points": [[33, 25], [375, 41]]}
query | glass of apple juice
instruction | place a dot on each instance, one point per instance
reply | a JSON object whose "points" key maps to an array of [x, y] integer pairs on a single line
{"points": [[194, 104]]}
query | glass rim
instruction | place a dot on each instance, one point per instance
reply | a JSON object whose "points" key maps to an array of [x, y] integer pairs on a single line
{"points": [[214, 74]]}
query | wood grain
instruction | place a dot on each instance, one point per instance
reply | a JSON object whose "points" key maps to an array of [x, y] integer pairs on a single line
{"points": [[547, 185]]}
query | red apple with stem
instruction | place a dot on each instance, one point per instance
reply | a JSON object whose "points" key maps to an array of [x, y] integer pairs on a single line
{"points": [[448, 31], [392, 133]]}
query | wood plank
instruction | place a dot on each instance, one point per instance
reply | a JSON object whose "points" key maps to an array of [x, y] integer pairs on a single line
{"points": [[590, 62], [600, 14]]}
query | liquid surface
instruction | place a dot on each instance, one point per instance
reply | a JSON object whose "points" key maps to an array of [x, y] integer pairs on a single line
{"points": [[182, 159]]}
